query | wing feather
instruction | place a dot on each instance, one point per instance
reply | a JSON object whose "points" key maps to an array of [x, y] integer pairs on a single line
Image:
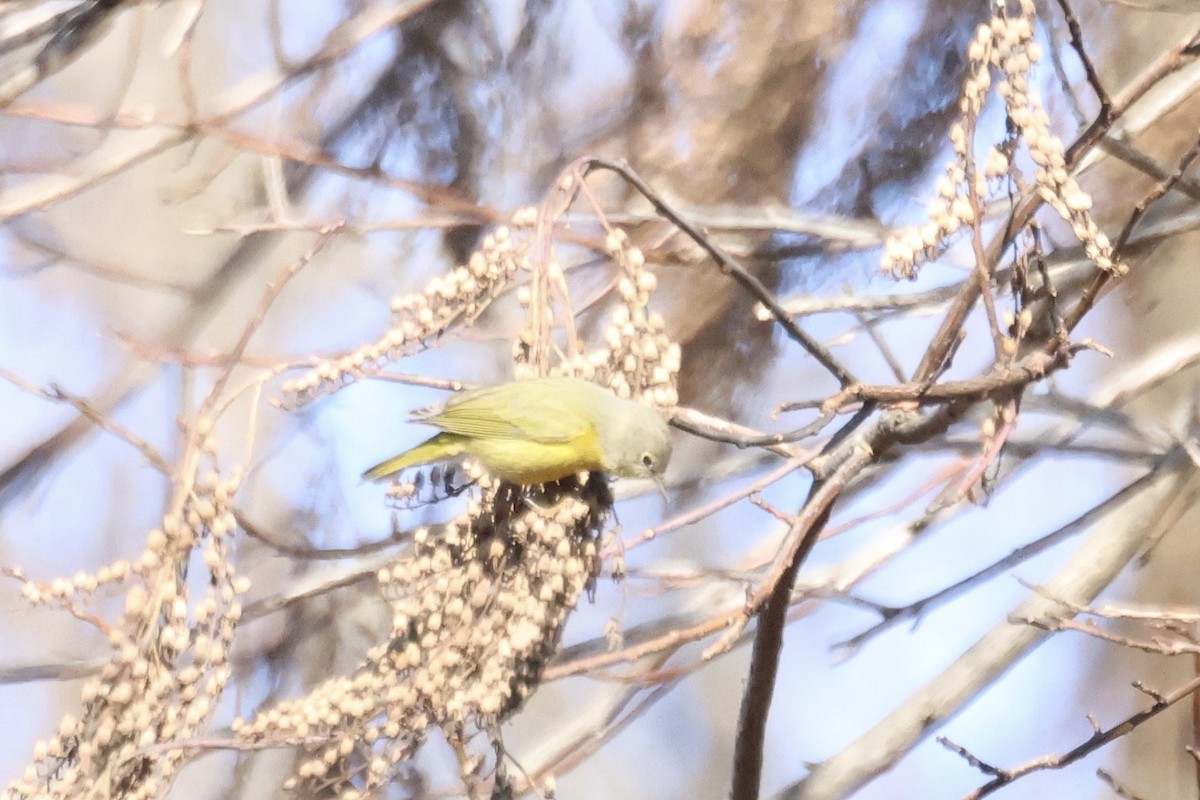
{"points": [[540, 410]]}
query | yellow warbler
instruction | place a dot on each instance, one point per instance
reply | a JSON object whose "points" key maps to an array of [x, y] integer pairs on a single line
{"points": [[540, 430]]}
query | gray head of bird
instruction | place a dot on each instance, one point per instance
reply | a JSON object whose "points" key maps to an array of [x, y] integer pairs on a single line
{"points": [[637, 443]]}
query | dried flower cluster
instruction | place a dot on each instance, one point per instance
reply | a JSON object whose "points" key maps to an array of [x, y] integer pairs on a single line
{"points": [[479, 605], [1006, 44], [477, 610], [639, 359], [169, 659], [456, 297]]}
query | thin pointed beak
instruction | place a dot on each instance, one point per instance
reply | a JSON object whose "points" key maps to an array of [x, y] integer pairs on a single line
{"points": [[662, 488]]}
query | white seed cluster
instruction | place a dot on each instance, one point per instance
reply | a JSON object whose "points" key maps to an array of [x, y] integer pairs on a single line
{"points": [[1005, 44], [459, 295], [479, 605], [169, 659], [908, 248], [477, 611], [638, 359], [1055, 185]]}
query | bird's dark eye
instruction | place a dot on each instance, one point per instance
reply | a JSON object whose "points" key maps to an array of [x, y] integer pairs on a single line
{"points": [[648, 460]]}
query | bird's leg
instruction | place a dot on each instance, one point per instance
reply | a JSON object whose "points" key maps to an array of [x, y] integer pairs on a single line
{"points": [[501, 787]]}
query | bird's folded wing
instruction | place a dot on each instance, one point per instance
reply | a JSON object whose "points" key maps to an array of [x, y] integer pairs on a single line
{"points": [[539, 418]]}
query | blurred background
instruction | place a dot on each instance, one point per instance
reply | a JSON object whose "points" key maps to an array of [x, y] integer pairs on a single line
{"points": [[162, 162]]}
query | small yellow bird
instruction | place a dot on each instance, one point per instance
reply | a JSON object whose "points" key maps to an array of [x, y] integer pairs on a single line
{"points": [[535, 431]]}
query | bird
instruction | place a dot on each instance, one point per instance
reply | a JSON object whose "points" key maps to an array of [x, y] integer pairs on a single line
{"points": [[539, 430]]}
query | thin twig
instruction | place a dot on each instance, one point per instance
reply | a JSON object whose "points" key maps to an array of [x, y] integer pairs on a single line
{"points": [[1089, 69], [1102, 277], [1154, 195], [893, 616], [91, 413], [727, 264], [264, 304], [708, 509], [1098, 739]]}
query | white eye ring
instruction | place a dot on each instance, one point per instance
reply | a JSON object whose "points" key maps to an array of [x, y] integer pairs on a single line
{"points": [[648, 460]]}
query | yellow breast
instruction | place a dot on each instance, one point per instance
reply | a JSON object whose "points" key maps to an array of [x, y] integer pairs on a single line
{"points": [[531, 462]]}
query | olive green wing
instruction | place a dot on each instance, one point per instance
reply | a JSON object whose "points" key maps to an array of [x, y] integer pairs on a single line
{"points": [[521, 410]]}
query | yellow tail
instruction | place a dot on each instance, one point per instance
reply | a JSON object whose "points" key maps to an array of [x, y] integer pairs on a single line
{"points": [[442, 446]]}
